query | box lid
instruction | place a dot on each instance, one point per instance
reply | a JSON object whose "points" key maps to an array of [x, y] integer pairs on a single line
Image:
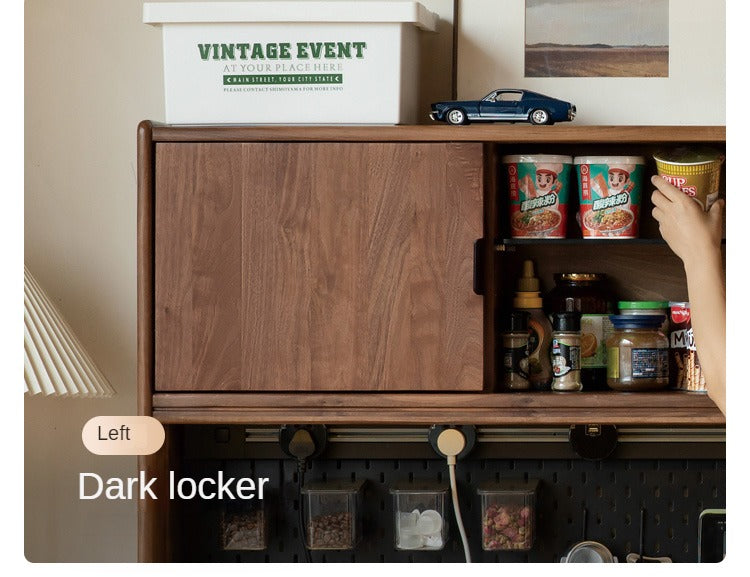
{"points": [[508, 486], [365, 12]]}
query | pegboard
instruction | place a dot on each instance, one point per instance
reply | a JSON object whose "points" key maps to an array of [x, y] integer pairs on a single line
{"points": [[673, 493]]}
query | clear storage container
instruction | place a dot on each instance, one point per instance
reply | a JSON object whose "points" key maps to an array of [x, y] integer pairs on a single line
{"points": [[508, 514], [332, 514], [244, 526], [419, 516]]}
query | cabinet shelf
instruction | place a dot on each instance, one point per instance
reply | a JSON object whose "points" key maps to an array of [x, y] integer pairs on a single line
{"points": [[669, 408]]}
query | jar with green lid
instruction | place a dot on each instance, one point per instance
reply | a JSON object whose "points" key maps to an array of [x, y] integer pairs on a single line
{"points": [[586, 293], [637, 353], [646, 308]]}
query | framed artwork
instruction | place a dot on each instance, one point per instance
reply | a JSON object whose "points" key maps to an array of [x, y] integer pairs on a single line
{"points": [[590, 38]]}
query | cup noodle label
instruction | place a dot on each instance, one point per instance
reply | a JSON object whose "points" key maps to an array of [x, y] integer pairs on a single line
{"points": [[610, 196], [538, 199]]}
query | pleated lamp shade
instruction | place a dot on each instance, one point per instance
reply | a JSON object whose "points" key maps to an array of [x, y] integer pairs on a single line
{"points": [[54, 361]]}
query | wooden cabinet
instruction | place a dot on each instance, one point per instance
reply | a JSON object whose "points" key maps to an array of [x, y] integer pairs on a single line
{"points": [[317, 266], [328, 274]]}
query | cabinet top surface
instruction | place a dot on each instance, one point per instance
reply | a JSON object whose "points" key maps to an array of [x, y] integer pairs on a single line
{"points": [[474, 133]]}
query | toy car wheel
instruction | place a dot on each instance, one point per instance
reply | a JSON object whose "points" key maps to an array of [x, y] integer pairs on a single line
{"points": [[539, 116], [456, 116]]}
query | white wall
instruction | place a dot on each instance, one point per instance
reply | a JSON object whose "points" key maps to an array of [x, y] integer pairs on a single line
{"points": [[92, 72], [491, 55]]}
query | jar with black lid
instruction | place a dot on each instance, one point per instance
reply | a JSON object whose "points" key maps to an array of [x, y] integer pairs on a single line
{"points": [[588, 294]]}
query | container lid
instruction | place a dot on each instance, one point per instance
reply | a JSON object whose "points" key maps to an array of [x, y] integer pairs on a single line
{"points": [[556, 158], [306, 12], [333, 486], [637, 321], [508, 486], [642, 305], [689, 155], [580, 276], [516, 322], [567, 321], [418, 487], [609, 160]]}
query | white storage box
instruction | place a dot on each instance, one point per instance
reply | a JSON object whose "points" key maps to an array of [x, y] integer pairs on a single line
{"points": [[290, 62]]}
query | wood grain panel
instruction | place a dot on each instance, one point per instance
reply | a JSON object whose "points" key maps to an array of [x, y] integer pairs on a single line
{"points": [[198, 280], [499, 132], [526, 409], [318, 266]]}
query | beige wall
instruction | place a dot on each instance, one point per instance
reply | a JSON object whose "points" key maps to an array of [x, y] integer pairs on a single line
{"points": [[93, 71]]}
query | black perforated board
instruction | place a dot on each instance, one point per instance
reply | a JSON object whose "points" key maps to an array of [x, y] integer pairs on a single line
{"points": [[673, 492]]}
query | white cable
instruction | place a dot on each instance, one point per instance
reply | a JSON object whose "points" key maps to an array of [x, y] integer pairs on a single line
{"points": [[456, 508]]}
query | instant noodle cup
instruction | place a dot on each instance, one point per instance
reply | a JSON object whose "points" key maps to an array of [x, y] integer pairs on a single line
{"points": [[538, 186], [695, 171], [609, 190]]}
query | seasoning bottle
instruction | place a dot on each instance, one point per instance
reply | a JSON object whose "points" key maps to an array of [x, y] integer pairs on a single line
{"points": [[528, 298], [586, 293], [638, 353], [566, 352], [515, 346]]}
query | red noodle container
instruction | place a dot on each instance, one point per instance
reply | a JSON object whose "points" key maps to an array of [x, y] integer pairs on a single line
{"points": [[538, 187], [609, 191]]}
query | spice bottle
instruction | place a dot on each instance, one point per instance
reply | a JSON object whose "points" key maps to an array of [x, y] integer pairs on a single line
{"points": [[528, 298], [586, 293], [638, 353], [566, 352], [515, 345]]}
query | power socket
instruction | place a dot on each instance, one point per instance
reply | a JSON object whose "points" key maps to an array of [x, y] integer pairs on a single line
{"points": [[469, 433], [318, 433]]}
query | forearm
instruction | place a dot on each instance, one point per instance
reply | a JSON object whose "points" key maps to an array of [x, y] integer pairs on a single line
{"points": [[707, 295]]}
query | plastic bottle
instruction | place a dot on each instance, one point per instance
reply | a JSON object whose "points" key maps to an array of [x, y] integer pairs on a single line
{"points": [[528, 298]]}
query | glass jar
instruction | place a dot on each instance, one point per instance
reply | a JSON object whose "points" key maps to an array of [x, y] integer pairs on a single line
{"points": [[646, 308], [638, 353], [588, 294]]}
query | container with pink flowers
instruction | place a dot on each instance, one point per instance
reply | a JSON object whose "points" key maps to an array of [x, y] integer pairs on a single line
{"points": [[508, 514]]}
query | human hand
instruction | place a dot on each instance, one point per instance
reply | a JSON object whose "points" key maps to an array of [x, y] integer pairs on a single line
{"points": [[689, 231]]}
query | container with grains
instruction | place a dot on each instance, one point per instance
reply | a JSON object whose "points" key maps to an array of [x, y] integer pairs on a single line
{"points": [[332, 514]]}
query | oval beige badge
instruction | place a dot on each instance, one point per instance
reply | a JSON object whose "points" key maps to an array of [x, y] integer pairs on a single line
{"points": [[126, 435]]}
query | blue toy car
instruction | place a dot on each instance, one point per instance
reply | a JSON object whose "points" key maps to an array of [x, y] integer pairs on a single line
{"points": [[508, 105]]}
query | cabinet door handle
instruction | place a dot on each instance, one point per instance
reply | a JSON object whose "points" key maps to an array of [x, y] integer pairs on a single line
{"points": [[479, 266]]}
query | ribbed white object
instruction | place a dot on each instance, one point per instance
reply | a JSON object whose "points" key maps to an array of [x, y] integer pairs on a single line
{"points": [[54, 361]]}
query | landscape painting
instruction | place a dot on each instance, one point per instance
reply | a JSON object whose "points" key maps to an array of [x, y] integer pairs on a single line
{"points": [[595, 38]]}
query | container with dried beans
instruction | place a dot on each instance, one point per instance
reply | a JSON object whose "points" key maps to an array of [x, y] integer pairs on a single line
{"points": [[332, 514]]}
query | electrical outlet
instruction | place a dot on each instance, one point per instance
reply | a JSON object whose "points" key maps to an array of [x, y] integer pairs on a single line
{"points": [[469, 432]]}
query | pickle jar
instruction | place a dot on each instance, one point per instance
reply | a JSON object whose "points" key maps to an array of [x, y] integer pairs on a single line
{"points": [[638, 353], [588, 294]]}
